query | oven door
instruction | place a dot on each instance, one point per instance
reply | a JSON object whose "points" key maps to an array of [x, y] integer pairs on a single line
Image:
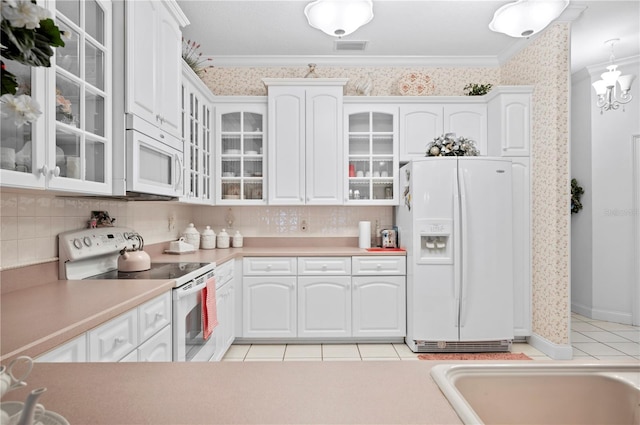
{"points": [[188, 342]]}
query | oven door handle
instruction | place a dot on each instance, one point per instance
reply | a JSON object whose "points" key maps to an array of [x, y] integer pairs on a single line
{"points": [[189, 288]]}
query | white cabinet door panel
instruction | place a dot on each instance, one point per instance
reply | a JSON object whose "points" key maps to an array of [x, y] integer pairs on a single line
{"points": [[154, 315], [74, 351], [468, 121], [158, 348], [115, 339], [379, 306], [324, 306], [269, 306], [419, 125]]}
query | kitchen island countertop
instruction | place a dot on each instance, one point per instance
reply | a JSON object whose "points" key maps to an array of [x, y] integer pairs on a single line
{"points": [[380, 392]]}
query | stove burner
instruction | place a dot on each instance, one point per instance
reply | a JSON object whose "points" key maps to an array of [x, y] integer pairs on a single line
{"points": [[157, 271]]}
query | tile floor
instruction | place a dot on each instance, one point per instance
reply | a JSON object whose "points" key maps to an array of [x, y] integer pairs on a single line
{"points": [[591, 339]]}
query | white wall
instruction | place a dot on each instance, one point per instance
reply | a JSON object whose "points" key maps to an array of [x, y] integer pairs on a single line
{"points": [[581, 223], [612, 220]]}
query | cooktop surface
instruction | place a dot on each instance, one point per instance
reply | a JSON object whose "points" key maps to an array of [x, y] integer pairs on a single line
{"points": [[157, 271]]}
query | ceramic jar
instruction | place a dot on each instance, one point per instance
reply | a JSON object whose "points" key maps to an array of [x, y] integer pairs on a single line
{"points": [[208, 238], [192, 236], [223, 239], [237, 240]]}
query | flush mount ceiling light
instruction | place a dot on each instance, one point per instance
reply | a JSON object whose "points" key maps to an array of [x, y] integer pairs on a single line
{"points": [[339, 17], [606, 88], [526, 17]]}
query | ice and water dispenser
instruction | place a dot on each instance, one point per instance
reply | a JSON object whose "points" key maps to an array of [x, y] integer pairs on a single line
{"points": [[436, 241]]}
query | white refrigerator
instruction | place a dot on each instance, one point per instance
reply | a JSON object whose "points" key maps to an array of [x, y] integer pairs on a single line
{"points": [[455, 222]]}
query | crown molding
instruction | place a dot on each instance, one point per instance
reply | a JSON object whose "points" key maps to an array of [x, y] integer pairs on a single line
{"points": [[355, 61], [599, 68]]}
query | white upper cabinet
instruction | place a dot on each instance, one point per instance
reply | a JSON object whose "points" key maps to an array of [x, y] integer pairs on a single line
{"points": [[197, 135], [153, 66], [305, 141], [68, 148], [422, 122], [370, 175], [240, 150], [510, 121], [419, 125]]}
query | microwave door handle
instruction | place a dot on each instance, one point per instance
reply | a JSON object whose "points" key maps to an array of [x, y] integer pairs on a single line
{"points": [[181, 293], [179, 171]]}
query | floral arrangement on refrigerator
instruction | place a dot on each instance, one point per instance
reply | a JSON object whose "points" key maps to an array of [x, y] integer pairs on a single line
{"points": [[449, 145], [29, 35]]}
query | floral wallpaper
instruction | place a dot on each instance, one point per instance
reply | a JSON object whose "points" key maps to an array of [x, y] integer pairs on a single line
{"points": [[241, 81], [545, 65]]}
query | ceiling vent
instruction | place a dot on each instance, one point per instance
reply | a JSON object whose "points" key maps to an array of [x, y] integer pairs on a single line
{"points": [[350, 46]]}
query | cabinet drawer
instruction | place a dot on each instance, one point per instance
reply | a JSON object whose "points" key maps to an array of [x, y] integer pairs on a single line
{"points": [[115, 339], [379, 265], [74, 351], [154, 315], [224, 273], [321, 266], [260, 266]]}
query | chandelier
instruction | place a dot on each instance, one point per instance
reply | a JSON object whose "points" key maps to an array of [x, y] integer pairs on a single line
{"points": [[524, 18], [606, 89], [339, 17]]}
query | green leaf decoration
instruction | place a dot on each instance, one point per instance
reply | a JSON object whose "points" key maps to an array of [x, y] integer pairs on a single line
{"points": [[9, 82]]}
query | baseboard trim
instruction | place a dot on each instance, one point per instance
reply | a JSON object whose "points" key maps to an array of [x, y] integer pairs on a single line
{"points": [[551, 349], [605, 315], [582, 310]]}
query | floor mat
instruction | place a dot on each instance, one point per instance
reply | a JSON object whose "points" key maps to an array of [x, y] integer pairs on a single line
{"points": [[474, 356]]}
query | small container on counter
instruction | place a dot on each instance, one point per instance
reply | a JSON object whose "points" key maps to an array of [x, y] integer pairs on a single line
{"points": [[223, 239], [208, 238], [192, 236], [237, 240]]}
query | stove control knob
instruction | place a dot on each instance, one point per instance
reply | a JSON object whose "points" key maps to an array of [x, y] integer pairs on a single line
{"points": [[77, 243], [87, 241]]}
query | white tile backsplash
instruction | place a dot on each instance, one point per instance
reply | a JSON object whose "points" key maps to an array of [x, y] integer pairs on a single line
{"points": [[30, 222]]}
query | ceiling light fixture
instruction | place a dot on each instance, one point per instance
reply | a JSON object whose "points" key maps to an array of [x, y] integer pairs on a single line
{"points": [[339, 17], [526, 17], [606, 88]]}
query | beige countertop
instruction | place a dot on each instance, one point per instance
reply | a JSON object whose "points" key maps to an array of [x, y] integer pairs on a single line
{"points": [[241, 393], [42, 316], [37, 319]]}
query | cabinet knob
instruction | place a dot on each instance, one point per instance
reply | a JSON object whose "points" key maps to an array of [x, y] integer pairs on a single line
{"points": [[159, 316], [268, 267], [56, 171], [324, 267], [44, 170], [119, 340], [378, 266]]}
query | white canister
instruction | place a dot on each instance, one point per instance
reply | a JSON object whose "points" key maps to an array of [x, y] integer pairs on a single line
{"points": [[208, 238], [223, 239], [237, 240], [192, 236]]}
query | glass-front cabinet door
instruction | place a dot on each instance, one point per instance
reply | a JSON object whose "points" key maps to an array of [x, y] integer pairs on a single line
{"points": [[240, 142], [372, 154], [69, 146], [80, 159], [22, 144], [197, 129]]}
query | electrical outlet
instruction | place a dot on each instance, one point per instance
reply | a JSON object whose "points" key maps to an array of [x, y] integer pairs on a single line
{"points": [[304, 226], [172, 222]]}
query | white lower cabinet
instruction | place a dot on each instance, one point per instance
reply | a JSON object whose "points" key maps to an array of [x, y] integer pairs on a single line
{"points": [[269, 306], [158, 348], [140, 334], [74, 351], [321, 298], [379, 306], [115, 339], [324, 306]]}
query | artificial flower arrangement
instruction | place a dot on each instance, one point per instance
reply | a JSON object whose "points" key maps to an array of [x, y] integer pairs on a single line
{"points": [[63, 106], [449, 145], [193, 58], [28, 35]]}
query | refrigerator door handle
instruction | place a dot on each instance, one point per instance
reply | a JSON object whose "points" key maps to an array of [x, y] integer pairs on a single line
{"points": [[465, 244], [456, 248]]}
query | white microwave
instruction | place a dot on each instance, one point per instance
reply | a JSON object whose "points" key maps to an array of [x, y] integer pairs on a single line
{"points": [[154, 160]]}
